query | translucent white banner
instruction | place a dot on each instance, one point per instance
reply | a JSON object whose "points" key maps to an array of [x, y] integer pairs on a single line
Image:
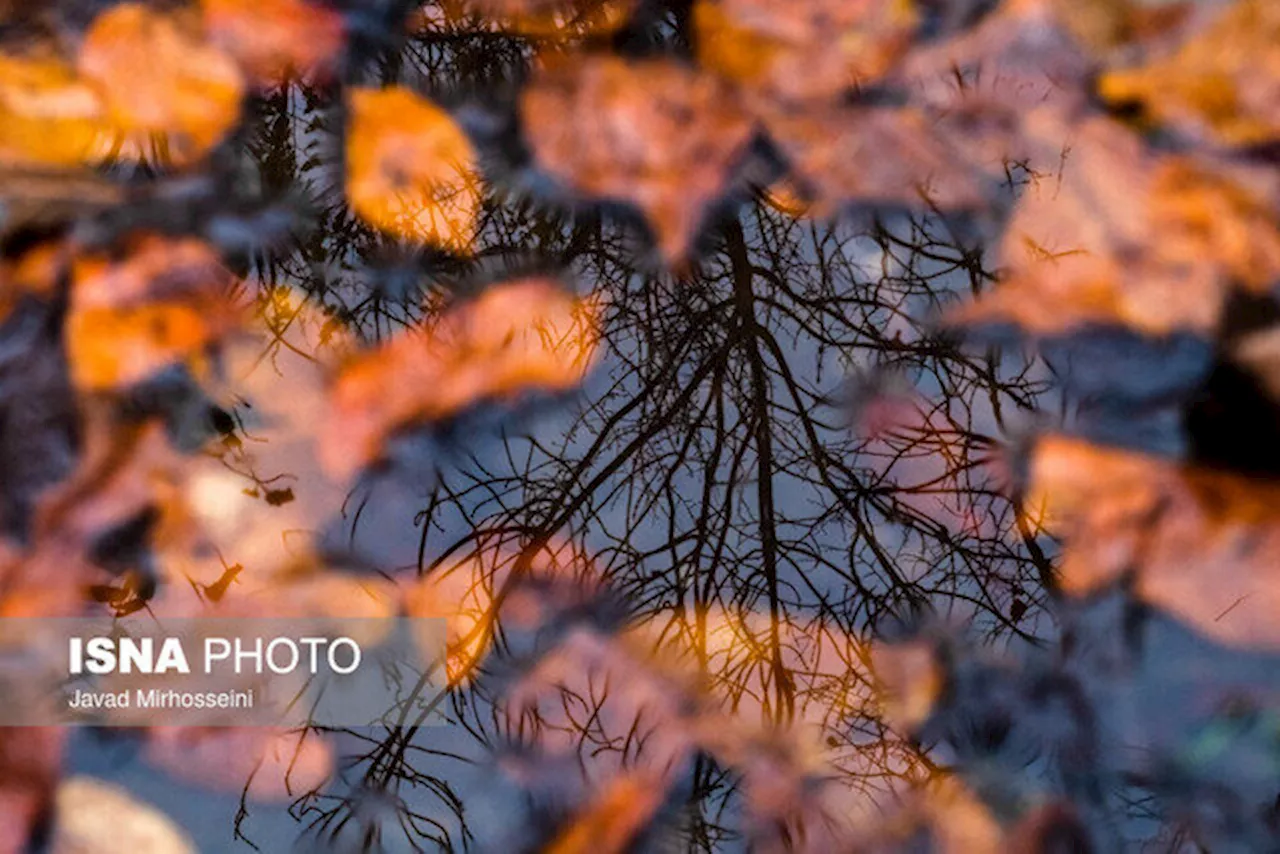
{"points": [[139, 671]]}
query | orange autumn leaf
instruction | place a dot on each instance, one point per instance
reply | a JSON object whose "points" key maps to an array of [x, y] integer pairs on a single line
{"points": [[787, 197], [546, 18], [34, 273], [274, 39], [162, 305], [123, 469], [48, 116], [462, 596], [94, 815], [411, 171], [1154, 243], [1198, 544], [610, 823], [872, 155], [804, 49], [268, 765], [156, 75], [1223, 84], [257, 491], [653, 133], [30, 761], [522, 335], [909, 680], [958, 819], [990, 86]]}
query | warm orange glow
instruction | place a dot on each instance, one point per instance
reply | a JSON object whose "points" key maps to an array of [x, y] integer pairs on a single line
{"points": [[411, 171]]}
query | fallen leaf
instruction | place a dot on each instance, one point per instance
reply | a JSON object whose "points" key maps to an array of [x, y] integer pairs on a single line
{"points": [[1222, 85], [30, 762], [411, 171], [462, 595], [873, 155], [787, 196], [959, 820], [652, 133], [545, 18], [268, 765], [269, 391], [48, 116], [804, 49], [522, 335], [909, 680], [164, 303], [156, 75], [986, 84], [614, 817], [1199, 544], [1153, 242], [123, 470], [276, 39], [34, 273], [96, 817]]}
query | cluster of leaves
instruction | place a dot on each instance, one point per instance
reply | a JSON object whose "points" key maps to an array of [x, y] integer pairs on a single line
{"points": [[1120, 156]]}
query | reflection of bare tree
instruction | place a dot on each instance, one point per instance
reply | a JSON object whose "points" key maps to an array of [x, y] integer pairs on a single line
{"points": [[719, 490], [710, 474]]}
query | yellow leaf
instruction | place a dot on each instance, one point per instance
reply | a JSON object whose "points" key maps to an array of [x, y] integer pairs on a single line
{"points": [[411, 171], [521, 335], [1153, 242], [654, 133], [611, 821], [803, 49], [272, 39], [93, 815], [1200, 545], [156, 75], [545, 18], [1223, 84], [161, 305], [48, 116]]}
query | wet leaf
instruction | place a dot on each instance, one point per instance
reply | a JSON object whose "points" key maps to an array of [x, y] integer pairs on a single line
{"points": [[515, 337], [1222, 85], [614, 818], [411, 171], [270, 394], [652, 133], [804, 49], [276, 39], [984, 85], [34, 273], [463, 596], [909, 680], [546, 18], [156, 75], [1156, 243], [268, 765], [873, 156], [30, 762], [123, 470], [164, 303], [960, 822], [48, 116], [96, 817], [1198, 544]]}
